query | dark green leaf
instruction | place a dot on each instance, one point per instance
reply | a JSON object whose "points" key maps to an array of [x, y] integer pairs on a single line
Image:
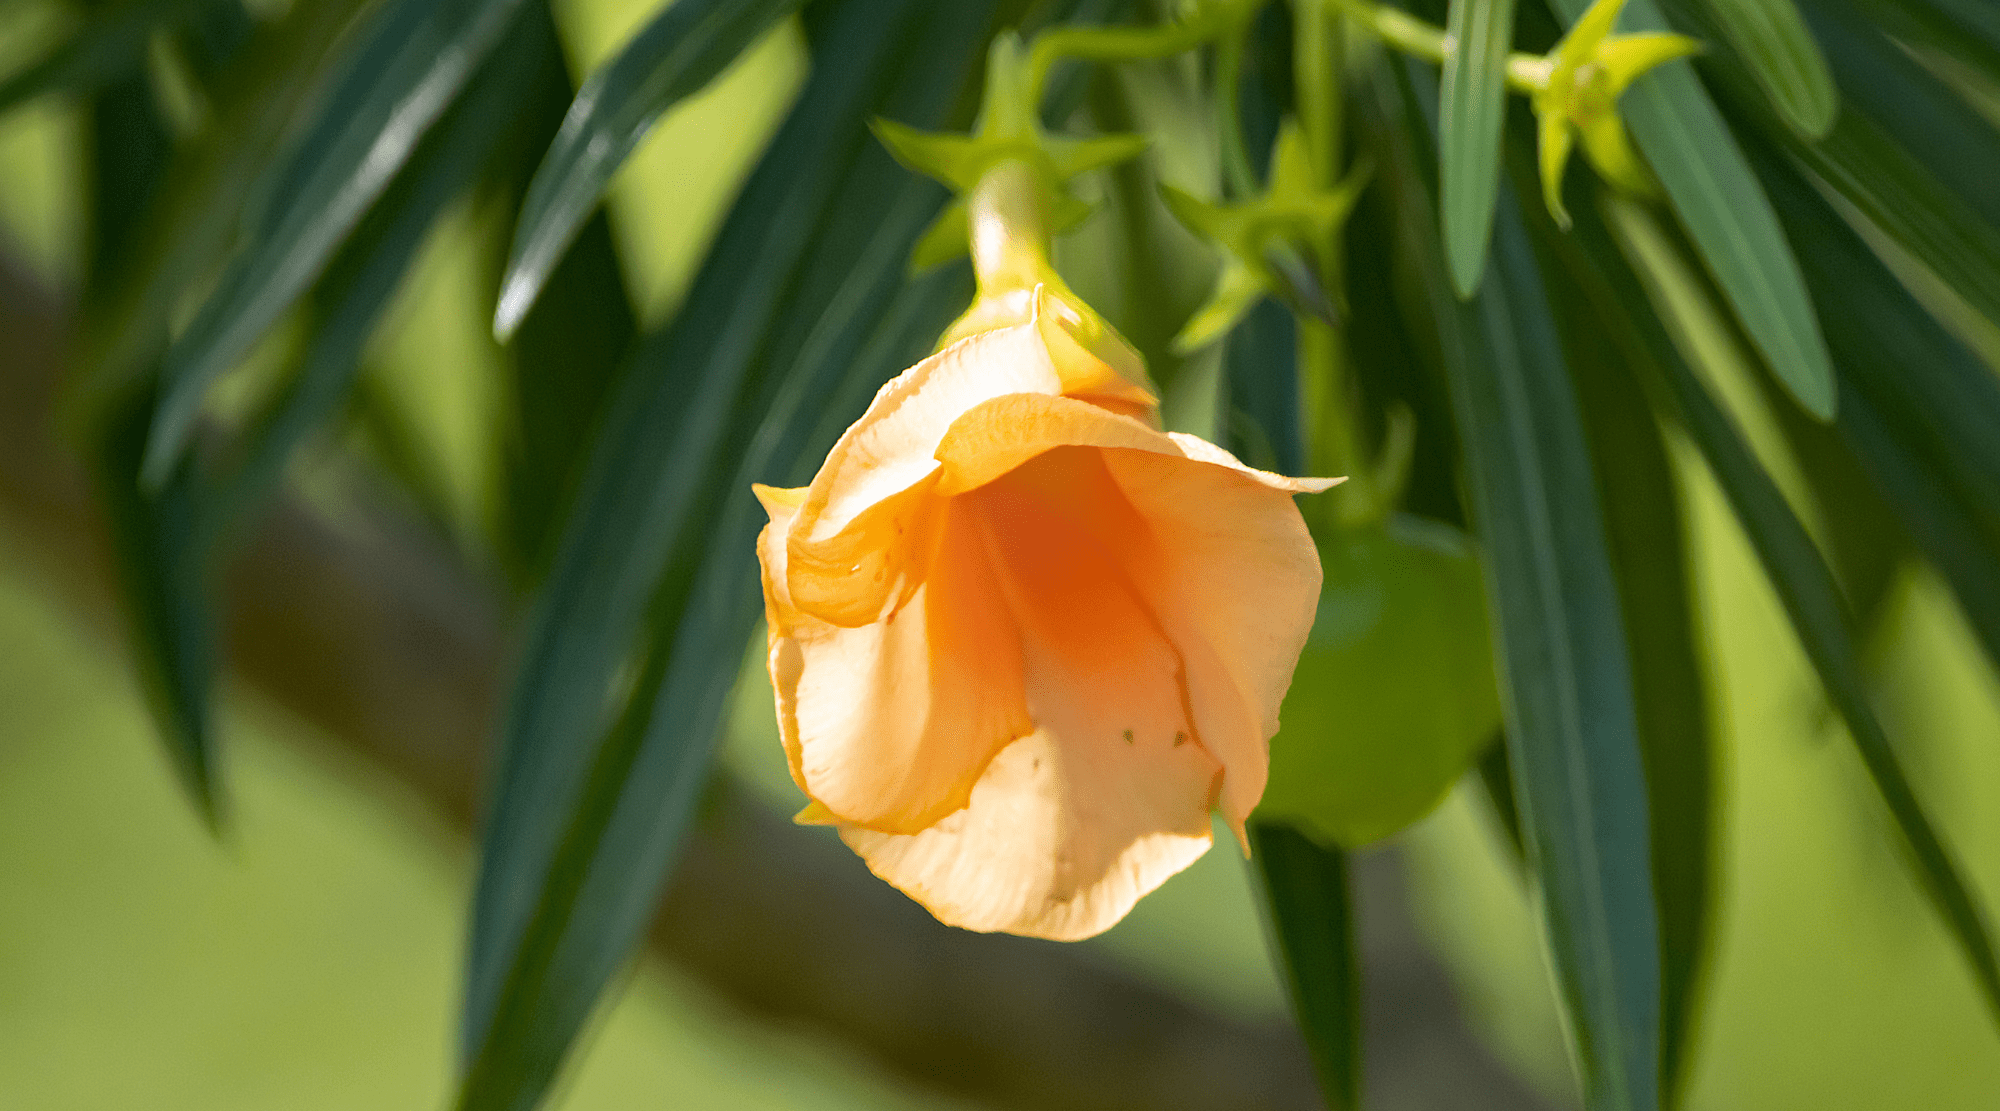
{"points": [[161, 553], [680, 51], [188, 231], [413, 59], [1940, 210], [107, 47], [1924, 431], [566, 355], [362, 279], [155, 537], [1787, 63], [1806, 588], [1475, 104], [1969, 29], [1644, 523], [1312, 928], [1927, 117], [1572, 725], [791, 324], [1727, 215]]}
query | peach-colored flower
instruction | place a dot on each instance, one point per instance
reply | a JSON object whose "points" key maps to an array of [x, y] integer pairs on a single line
{"points": [[1022, 641]]}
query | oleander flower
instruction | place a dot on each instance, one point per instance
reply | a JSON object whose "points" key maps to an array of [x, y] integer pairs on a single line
{"points": [[1023, 642]]}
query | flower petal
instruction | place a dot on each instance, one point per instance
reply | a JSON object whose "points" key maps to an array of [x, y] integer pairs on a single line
{"points": [[1215, 548], [1234, 579], [890, 724], [1069, 826], [850, 561]]}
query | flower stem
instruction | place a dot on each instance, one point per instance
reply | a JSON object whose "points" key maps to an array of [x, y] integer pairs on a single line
{"points": [[1114, 44], [1007, 214], [1526, 73], [1334, 438], [1238, 175]]}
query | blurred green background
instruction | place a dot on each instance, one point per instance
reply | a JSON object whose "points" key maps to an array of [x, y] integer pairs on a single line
{"points": [[312, 960]]}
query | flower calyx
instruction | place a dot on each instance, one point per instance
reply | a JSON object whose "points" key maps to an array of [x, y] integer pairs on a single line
{"points": [[1008, 130], [1268, 242], [1575, 89]]}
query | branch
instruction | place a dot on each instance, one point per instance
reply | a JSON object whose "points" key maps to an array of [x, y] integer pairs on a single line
{"points": [[374, 635]]}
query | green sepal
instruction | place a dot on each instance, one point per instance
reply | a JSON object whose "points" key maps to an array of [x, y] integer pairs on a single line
{"points": [[1268, 243], [1587, 72]]}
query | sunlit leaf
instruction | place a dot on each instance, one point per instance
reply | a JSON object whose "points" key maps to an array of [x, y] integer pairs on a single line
{"points": [[675, 55], [413, 59]]}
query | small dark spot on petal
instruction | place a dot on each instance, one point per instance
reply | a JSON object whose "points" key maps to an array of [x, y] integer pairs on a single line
{"points": [[1180, 739], [1128, 736]]}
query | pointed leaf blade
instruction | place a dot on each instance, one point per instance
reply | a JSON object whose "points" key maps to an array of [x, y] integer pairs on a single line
{"points": [[1475, 105], [1311, 922], [1572, 728], [1805, 587], [1772, 37], [1725, 212], [412, 61], [684, 47]]}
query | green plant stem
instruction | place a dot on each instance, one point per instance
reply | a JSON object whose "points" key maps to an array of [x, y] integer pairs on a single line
{"points": [[1334, 437], [1526, 73], [1239, 176], [1114, 44]]}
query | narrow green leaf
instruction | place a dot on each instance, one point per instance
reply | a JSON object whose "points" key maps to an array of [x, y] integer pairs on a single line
{"points": [[1475, 105], [413, 59], [674, 56], [189, 230], [1968, 29], [1939, 208], [1927, 117], [1727, 215], [154, 536], [1644, 523], [160, 551], [363, 277], [1312, 930], [1572, 725], [791, 324], [1788, 65], [1806, 589], [106, 47], [1923, 428], [1900, 196]]}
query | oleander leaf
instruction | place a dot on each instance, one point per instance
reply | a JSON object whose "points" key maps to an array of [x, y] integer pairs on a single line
{"points": [[674, 56], [1772, 37], [1727, 216], [1311, 922], [409, 65], [1572, 722], [793, 321], [1806, 588], [1475, 105]]}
